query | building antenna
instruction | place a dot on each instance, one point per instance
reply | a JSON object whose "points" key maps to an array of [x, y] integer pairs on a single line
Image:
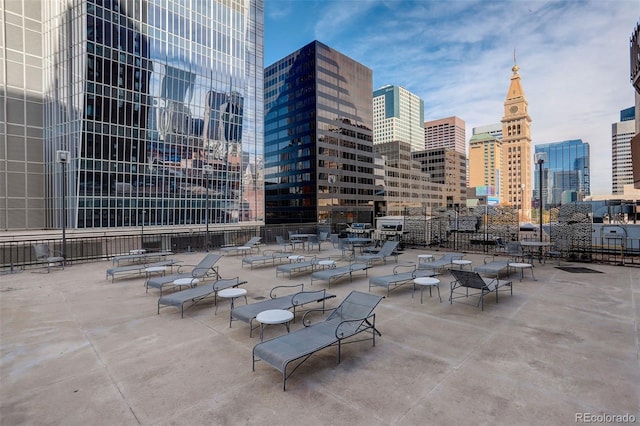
{"points": [[514, 57]]}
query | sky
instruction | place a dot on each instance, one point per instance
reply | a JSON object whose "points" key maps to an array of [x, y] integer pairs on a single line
{"points": [[457, 56]]}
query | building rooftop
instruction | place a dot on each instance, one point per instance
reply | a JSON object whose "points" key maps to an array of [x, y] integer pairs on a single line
{"points": [[80, 349]]}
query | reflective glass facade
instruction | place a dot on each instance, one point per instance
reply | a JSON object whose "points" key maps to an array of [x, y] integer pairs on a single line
{"points": [[160, 104], [565, 173], [319, 159]]}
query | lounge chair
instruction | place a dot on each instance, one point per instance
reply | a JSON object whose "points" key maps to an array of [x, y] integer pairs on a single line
{"points": [[388, 249], [312, 241], [395, 280], [49, 257], [267, 257], [141, 257], [296, 266], [247, 247], [493, 268], [465, 280], [137, 268], [444, 261], [196, 294], [353, 316], [204, 270], [333, 274], [247, 313]]}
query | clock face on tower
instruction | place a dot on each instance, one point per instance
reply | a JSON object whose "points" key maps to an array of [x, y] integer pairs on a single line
{"points": [[513, 109]]}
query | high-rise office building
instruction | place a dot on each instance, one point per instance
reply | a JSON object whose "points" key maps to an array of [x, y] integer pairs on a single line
{"points": [[565, 173], [447, 168], [447, 133], [516, 147], [407, 184], [398, 115], [634, 51], [486, 165], [319, 157], [153, 113], [621, 134]]}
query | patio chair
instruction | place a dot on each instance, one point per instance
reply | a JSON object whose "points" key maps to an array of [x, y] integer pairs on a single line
{"points": [[247, 313], [352, 317], [313, 241], [388, 249], [465, 280], [517, 253], [398, 278], [204, 270], [247, 247], [196, 294], [334, 238], [444, 261], [333, 274], [284, 243], [345, 247], [48, 257]]}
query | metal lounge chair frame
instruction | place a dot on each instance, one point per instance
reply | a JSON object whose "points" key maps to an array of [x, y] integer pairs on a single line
{"points": [[388, 249], [395, 280], [334, 274], [196, 294], [251, 244], [141, 257], [493, 268], [295, 266], [465, 280], [268, 256], [204, 270], [444, 261], [138, 268], [352, 317], [247, 313]]}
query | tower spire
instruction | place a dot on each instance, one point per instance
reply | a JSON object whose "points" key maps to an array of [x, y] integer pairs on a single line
{"points": [[515, 67]]}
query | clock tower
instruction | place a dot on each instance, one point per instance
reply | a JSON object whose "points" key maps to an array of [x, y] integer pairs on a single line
{"points": [[515, 178]]}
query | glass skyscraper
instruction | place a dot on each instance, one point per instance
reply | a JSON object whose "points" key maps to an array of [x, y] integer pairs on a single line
{"points": [[319, 158], [565, 173], [160, 105]]}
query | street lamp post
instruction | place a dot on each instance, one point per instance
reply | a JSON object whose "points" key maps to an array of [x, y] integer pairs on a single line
{"points": [[207, 176], [332, 181], [541, 157], [144, 213], [522, 209], [63, 158]]}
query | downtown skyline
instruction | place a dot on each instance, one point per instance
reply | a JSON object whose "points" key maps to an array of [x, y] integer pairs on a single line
{"points": [[457, 56]]}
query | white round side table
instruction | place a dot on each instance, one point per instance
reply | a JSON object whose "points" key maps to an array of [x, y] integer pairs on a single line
{"points": [[274, 316], [426, 282], [522, 267], [232, 294], [159, 270], [296, 258], [327, 263], [462, 263]]}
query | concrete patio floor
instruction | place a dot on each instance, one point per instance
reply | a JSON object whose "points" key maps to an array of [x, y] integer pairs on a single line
{"points": [[78, 349]]}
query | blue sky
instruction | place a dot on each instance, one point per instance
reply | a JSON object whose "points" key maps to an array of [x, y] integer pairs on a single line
{"points": [[457, 55]]}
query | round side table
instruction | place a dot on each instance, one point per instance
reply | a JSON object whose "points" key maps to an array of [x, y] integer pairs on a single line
{"points": [[232, 294], [274, 316], [522, 267], [186, 282], [296, 258], [462, 263], [426, 282], [327, 263], [159, 270]]}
